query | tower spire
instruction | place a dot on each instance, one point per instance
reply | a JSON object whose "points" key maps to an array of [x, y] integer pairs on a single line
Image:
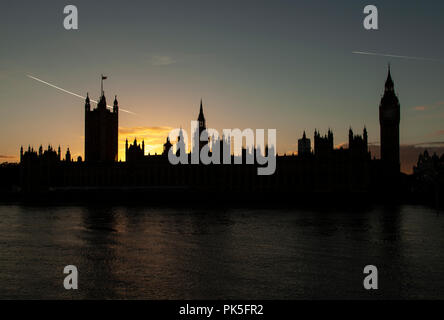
{"points": [[389, 85], [201, 113], [87, 103], [202, 134], [115, 105]]}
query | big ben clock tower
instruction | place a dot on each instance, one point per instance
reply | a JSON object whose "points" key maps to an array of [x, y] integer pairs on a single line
{"points": [[389, 118]]}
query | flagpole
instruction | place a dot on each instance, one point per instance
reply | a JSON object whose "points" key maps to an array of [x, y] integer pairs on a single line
{"points": [[101, 85]]}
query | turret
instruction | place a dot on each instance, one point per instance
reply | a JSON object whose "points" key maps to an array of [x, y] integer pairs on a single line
{"points": [[365, 135], [87, 103], [203, 139], [330, 139], [201, 117], [167, 146], [115, 105], [180, 143], [102, 102], [68, 155]]}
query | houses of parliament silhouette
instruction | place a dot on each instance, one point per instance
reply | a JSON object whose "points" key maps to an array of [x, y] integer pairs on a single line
{"points": [[323, 169]]}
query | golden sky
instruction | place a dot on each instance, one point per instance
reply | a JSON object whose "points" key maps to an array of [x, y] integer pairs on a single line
{"points": [[154, 138]]}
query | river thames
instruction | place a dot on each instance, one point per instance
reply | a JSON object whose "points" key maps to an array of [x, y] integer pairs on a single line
{"points": [[162, 253]]}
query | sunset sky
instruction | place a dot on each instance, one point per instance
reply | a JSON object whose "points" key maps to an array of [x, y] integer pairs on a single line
{"points": [[256, 64]]}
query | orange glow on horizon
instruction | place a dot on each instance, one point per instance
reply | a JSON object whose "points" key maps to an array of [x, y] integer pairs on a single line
{"points": [[154, 138]]}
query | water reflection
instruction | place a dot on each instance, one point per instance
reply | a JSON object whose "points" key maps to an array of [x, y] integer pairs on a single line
{"points": [[161, 253]]}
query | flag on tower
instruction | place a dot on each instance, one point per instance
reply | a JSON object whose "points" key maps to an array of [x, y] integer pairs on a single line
{"points": [[101, 84]]}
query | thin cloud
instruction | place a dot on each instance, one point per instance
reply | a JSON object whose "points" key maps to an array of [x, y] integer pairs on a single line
{"points": [[428, 107], [439, 133], [162, 61], [436, 134], [341, 145], [2, 156]]}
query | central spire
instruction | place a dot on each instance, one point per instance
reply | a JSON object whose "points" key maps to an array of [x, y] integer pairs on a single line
{"points": [[201, 113]]}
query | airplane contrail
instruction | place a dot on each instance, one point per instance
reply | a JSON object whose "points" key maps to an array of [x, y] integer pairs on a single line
{"points": [[72, 93], [395, 56]]}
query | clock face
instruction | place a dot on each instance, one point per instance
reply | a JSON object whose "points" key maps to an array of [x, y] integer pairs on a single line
{"points": [[389, 114]]}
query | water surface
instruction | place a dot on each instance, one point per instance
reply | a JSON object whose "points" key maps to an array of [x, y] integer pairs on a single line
{"points": [[160, 253]]}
